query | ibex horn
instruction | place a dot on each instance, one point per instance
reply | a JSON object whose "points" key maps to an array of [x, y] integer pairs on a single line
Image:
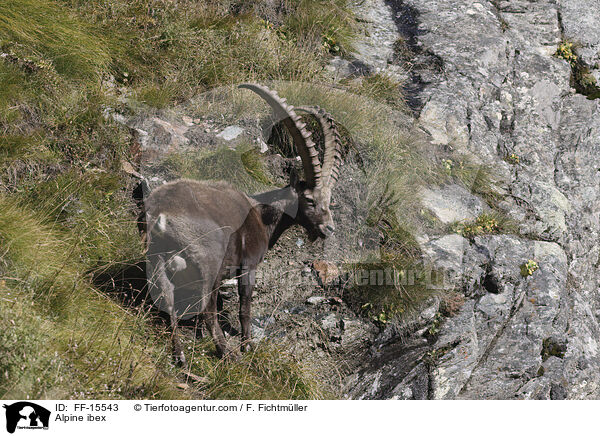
{"points": [[332, 157], [301, 136]]}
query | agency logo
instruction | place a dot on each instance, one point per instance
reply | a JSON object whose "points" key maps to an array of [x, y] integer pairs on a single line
{"points": [[26, 415]]}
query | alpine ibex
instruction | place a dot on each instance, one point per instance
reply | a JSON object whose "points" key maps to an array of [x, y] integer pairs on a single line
{"points": [[201, 233]]}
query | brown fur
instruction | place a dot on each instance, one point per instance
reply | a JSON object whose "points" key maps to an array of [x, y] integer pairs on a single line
{"points": [[200, 233]]}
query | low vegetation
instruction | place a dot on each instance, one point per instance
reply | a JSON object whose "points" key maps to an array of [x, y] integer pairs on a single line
{"points": [[66, 214], [61, 338], [65, 208], [581, 78], [528, 268], [485, 224], [241, 167]]}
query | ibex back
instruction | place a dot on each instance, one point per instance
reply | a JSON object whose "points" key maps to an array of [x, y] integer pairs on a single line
{"points": [[200, 233]]}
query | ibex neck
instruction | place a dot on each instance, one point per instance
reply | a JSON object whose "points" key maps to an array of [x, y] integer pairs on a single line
{"points": [[278, 211]]}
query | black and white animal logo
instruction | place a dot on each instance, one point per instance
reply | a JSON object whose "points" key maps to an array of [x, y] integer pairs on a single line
{"points": [[26, 415]]}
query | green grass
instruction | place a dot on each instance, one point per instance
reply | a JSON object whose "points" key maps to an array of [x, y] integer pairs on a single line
{"points": [[381, 88], [326, 23], [65, 208], [266, 372], [61, 338], [181, 48], [92, 207], [46, 35], [242, 167], [65, 211]]}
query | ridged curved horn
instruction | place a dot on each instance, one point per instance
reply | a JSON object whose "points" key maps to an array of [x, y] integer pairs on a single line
{"points": [[301, 136], [332, 157]]}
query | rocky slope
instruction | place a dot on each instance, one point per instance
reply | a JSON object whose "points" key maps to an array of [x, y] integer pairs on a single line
{"points": [[485, 82]]}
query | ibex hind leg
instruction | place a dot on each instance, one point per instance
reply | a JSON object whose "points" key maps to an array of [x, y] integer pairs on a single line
{"points": [[167, 292]]}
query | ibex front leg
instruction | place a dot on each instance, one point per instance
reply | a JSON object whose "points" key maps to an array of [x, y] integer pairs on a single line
{"points": [[245, 286]]}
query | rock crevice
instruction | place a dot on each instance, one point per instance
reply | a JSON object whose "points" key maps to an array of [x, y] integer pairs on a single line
{"points": [[500, 94]]}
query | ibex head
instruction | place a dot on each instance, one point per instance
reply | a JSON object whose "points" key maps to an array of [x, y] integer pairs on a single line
{"points": [[313, 211], [314, 194]]}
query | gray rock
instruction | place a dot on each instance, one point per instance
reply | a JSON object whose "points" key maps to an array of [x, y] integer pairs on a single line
{"points": [[394, 373], [263, 145], [343, 68], [330, 322], [230, 133], [452, 203], [159, 135], [579, 19], [314, 300], [498, 90], [374, 51], [356, 333], [447, 253]]}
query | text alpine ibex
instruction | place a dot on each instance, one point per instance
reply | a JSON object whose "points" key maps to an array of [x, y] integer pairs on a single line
{"points": [[201, 233]]}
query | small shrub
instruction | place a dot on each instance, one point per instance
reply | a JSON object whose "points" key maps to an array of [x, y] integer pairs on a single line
{"points": [[483, 224], [513, 159], [451, 303], [491, 223], [395, 283], [434, 328], [528, 268], [566, 51], [585, 83], [448, 165], [581, 78]]}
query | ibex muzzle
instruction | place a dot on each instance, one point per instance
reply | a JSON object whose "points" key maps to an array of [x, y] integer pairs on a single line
{"points": [[200, 233]]}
